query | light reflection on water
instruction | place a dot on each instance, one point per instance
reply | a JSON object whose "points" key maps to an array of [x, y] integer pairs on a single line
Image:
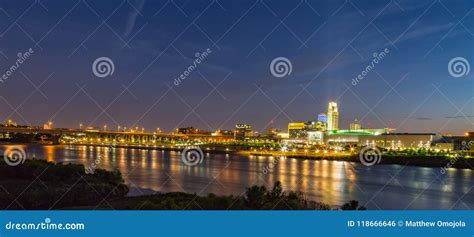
{"points": [[332, 182]]}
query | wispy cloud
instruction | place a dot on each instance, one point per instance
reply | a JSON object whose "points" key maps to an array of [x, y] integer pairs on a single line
{"points": [[426, 31], [132, 17], [460, 117], [423, 118]]}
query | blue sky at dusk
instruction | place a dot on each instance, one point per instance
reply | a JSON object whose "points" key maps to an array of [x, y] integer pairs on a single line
{"points": [[153, 42]]}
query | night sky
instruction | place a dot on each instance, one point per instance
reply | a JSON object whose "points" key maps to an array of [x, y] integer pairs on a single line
{"points": [[153, 42]]}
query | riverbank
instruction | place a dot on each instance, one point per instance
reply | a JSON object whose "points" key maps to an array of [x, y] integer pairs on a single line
{"points": [[420, 160], [42, 185]]}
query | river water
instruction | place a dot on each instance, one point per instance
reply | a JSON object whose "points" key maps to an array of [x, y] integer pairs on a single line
{"points": [[333, 182]]}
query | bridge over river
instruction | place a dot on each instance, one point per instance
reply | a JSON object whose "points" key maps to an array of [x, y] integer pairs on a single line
{"points": [[81, 136]]}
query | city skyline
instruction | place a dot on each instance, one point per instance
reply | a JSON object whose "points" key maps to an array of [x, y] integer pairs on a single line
{"points": [[324, 121], [327, 43]]}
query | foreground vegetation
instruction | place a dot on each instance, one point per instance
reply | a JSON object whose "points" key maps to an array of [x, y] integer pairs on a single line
{"points": [[40, 185], [255, 198], [37, 184]]}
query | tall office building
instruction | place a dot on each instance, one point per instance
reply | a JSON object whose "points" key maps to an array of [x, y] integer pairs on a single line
{"points": [[333, 116]]}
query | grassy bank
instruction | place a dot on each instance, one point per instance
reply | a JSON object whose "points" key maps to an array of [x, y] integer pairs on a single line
{"points": [[411, 160], [42, 185]]}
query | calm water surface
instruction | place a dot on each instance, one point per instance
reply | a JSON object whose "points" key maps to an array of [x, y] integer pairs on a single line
{"points": [[332, 182]]}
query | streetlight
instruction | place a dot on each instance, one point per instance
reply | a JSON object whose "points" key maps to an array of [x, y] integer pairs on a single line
{"points": [[80, 126], [118, 128], [50, 124], [105, 127]]}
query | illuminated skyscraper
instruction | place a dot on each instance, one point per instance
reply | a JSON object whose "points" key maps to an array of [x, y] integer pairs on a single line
{"points": [[333, 116]]}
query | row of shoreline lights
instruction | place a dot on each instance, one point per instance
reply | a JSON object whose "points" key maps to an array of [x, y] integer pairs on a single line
{"points": [[49, 125], [158, 130]]}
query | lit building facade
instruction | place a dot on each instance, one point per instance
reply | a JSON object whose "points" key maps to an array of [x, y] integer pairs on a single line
{"points": [[186, 130], [355, 125], [242, 131], [382, 138], [400, 140], [297, 130], [316, 136], [333, 116]]}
